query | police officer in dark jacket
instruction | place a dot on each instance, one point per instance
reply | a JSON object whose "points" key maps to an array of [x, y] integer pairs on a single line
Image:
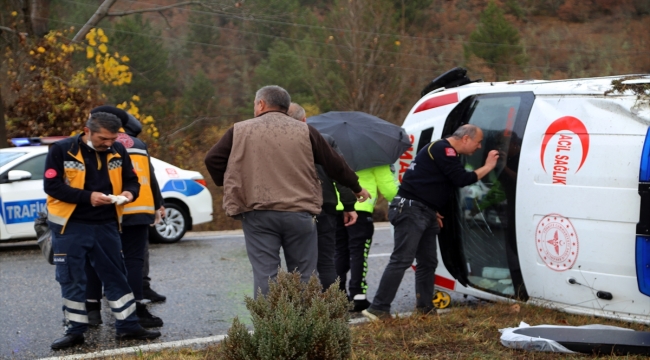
{"points": [[326, 220], [426, 187]]}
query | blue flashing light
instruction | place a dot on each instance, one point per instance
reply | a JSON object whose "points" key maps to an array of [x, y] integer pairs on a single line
{"points": [[643, 263], [21, 141], [644, 174]]}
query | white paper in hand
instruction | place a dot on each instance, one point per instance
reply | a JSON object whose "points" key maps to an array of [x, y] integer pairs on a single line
{"points": [[118, 199]]}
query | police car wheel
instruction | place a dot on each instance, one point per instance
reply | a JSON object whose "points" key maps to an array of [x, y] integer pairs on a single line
{"points": [[172, 228]]}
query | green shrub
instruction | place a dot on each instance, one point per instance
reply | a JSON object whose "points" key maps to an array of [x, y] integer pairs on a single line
{"points": [[295, 320]]}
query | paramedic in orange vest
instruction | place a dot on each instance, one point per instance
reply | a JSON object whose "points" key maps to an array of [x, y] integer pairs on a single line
{"points": [[88, 179], [138, 216]]}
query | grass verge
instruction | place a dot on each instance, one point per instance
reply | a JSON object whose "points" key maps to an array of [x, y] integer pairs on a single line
{"points": [[466, 332]]}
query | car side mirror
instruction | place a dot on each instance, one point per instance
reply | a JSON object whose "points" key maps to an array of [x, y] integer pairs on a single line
{"points": [[18, 175]]}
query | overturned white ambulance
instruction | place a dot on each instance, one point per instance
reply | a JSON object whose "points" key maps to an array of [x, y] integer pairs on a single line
{"points": [[564, 219]]}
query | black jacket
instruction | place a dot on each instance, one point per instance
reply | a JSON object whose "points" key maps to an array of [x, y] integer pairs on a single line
{"points": [[330, 200]]}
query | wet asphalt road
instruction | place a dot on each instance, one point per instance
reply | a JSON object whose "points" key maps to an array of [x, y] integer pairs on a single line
{"points": [[205, 278]]}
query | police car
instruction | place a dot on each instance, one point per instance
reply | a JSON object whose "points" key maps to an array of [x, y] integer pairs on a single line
{"points": [[187, 200], [564, 219]]}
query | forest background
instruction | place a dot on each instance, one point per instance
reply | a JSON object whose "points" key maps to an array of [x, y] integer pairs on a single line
{"points": [[189, 69]]}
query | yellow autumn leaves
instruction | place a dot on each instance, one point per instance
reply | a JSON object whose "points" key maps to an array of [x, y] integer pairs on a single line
{"points": [[109, 68], [147, 121]]}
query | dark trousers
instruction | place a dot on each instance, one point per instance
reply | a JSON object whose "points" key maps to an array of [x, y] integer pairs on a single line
{"points": [[416, 228], [134, 239], [265, 232], [352, 248], [100, 247], [326, 228], [146, 280]]}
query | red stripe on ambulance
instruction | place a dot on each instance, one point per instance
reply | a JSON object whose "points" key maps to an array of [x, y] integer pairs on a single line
{"points": [[437, 101]]}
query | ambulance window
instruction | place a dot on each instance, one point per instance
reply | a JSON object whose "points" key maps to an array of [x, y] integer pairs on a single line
{"points": [[486, 208], [425, 138], [35, 165]]}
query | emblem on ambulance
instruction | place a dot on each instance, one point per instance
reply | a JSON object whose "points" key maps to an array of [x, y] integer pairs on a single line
{"points": [[557, 242]]}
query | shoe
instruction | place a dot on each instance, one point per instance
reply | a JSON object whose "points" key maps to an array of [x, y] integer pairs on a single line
{"points": [[141, 334], [94, 318], [67, 341], [145, 318], [360, 305], [376, 315], [149, 294]]}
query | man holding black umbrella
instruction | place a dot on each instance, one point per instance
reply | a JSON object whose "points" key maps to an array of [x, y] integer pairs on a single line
{"points": [[267, 168], [426, 188]]}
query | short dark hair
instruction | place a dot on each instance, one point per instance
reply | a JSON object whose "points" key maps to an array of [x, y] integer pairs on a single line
{"points": [[102, 120], [466, 129], [274, 96]]}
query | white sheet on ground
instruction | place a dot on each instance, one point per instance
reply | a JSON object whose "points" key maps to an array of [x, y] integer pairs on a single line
{"points": [[525, 342]]}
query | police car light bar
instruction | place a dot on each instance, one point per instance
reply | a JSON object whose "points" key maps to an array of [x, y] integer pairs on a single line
{"points": [[36, 141]]}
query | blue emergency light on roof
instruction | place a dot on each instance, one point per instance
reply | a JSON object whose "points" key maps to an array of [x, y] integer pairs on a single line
{"points": [[36, 141]]}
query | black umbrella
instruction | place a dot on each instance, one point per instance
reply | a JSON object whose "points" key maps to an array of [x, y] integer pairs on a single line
{"points": [[365, 140]]}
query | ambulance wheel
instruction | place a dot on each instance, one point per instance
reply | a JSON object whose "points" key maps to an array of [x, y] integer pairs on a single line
{"points": [[172, 227], [441, 300]]}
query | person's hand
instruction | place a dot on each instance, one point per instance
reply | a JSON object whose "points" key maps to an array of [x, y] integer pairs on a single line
{"points": [[439, 219], [162, 211], [349, 218], [99, 199], [363, 195], [492, 158], [127, 195]]}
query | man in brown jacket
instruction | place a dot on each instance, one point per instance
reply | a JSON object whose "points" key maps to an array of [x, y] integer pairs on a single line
{"points": [[267, 168]]}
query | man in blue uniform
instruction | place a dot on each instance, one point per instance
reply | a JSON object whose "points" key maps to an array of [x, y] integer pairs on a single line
{"points": [[88, 179], [138, 216], [414, 212]]}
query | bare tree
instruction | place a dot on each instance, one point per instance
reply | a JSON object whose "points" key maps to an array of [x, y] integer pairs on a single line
{"points": [[104, 8]]}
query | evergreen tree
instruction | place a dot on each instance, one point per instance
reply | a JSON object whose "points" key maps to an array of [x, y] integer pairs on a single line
{"points": [[496, 41]]}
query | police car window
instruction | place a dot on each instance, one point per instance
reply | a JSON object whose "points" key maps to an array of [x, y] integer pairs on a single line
{"points": [[35, 165], [7, 157]]}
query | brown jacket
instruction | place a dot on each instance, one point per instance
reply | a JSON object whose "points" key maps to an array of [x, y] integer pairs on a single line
{"points": [[267, 163]]}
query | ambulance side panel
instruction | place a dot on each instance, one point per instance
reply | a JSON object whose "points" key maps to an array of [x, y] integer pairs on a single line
{"points": [[578, 205]]}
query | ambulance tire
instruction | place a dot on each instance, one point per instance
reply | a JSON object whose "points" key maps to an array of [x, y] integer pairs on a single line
{"points": [[441, 300], [173, 226]]}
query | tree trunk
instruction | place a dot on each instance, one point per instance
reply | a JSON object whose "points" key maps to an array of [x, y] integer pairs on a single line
{"points": [[3, 128], [101, 13], [39, 13]]}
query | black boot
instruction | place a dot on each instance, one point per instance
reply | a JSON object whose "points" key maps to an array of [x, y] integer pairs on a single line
{"points": [[67, 341], [149, 294], [145, 318], [140, 334]]}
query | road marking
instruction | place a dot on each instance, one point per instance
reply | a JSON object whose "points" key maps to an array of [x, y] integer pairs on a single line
{"points": [[141, 348], [379, 255]]}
